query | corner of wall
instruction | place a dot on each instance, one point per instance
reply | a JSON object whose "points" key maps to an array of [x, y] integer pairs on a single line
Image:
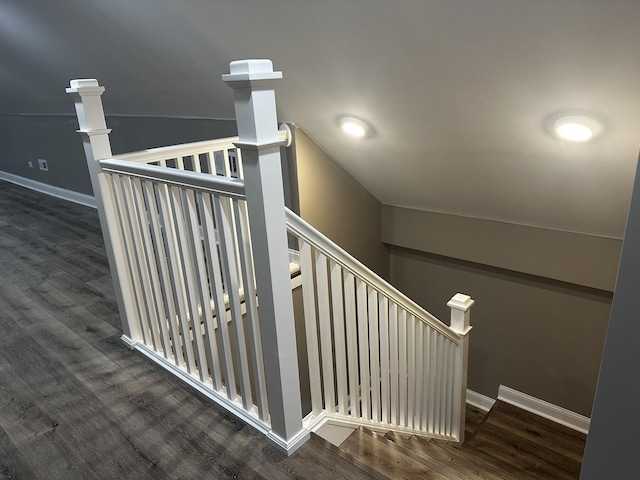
{"points": [[339, 206]]}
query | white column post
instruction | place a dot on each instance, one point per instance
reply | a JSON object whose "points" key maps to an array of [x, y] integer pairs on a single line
{"points": [[253, 90], [95, 138], [460, 305]]}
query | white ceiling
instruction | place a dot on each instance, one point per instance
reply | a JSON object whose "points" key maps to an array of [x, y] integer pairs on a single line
{"points": [[460, 92]]}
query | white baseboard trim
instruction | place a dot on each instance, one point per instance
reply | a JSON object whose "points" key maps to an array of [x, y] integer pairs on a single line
{"points": [[128, 342], [63, 193], [544, 409], [480, 401]]}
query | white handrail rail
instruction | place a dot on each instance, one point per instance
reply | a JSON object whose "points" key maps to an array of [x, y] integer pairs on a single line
{"points": [[298, 226], [230, 187], [184, 149]]}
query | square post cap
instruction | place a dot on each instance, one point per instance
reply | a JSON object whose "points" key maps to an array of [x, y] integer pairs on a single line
{"points": [[85, 85], [461, 302], [251, 70]]}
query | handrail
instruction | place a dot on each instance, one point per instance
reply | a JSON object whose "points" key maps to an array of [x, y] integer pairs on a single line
{"points": [[184, 149], [229, 187], [298, 226]]}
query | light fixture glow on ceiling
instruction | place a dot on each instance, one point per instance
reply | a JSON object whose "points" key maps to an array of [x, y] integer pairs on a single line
{"points": [[576, 129], [354, 127]]}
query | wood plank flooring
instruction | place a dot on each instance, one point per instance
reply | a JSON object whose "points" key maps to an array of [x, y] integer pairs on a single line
{"points": [[75, 403], [506, 444]]}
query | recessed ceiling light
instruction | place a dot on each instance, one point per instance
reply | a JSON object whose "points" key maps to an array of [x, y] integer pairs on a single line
{"points": [[354, 127], [576, 128]]}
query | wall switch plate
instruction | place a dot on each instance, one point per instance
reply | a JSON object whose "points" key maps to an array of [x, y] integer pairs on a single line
{"points": [[30, 164], [43, 165]]}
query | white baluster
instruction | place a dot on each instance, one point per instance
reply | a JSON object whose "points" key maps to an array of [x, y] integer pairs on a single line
{"points": [[228, 244], [310, 322], [337, 302], [162, 278], [176, 286], [402, 360], [352, 342], [383, 308], [324, 324], [184, 271], [374, 355], [249, 283], [200, 288], [393, 363], [418, 373], [221, 308], [149, 268], [363, 343], [223, 362], [412, 379]]}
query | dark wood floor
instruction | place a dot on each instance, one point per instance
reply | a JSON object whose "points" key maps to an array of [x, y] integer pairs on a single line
{"points": [[506, 444], [76, 404]]}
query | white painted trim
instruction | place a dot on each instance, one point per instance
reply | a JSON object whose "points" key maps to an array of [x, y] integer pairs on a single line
{"points": [[480, 401], [544, 409], [292, 445], [120, 115], [128, 342], [314, 422], [63, 193]]}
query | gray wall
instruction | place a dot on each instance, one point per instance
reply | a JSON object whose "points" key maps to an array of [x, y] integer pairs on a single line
{"points": [[336, 204], [50, 137], [612, 445], [27, 138], [539, 323]]}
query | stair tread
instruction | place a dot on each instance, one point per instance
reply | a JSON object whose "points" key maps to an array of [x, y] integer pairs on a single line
{"points": [[506, 444], [539, 430], [377, 458], [342, 466], [524, 454], [467, 465]]}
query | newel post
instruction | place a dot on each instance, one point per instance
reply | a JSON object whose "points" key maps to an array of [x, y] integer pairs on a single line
{"points": [[460, 305], [95, 139], [254, 95]]}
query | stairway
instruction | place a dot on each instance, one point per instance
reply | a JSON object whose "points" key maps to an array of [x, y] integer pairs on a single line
{"points": [[505, 444]]}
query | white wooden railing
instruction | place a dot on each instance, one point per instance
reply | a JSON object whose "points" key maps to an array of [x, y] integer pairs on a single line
{"points": [[375, 356], [196, 237], [192, 274]]}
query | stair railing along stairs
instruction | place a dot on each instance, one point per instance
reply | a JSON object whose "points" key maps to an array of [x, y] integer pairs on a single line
{"points": [[196, 237]]}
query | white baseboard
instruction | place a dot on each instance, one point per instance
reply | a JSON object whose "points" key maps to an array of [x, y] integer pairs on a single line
{"points": [[544, 409], [63, 193], [480, 401]]}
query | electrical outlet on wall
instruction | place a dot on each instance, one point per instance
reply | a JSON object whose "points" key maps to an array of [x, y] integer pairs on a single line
{"points": [[43, 165], [30, 163]]}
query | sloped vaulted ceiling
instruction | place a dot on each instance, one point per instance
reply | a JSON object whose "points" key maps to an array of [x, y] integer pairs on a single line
{"points": [[460, 92]]}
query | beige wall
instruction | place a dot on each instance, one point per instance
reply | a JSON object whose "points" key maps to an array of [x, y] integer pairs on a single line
{"points": [[336, 204], [542, 297], [541, 337], [577, 258]]}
